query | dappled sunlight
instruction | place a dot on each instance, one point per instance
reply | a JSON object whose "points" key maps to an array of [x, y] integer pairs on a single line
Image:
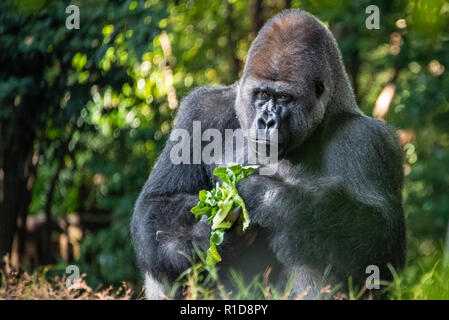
{"points": [[86, 112]]}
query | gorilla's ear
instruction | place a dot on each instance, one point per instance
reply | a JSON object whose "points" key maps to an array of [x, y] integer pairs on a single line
{"points": [[319, 88]]}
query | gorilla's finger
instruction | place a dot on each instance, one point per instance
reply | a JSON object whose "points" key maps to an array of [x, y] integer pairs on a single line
{"points": [[233, 215]]}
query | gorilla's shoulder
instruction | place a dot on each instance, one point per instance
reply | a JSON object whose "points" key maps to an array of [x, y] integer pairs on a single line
{"points": [[361, 128], [364, 138], [208, 105]]}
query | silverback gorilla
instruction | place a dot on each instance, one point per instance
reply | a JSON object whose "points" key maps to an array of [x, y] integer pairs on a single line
{"points": [[335, 199]]}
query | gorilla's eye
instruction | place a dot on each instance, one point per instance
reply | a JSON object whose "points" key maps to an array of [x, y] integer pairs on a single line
{"points": [[284, 97], [319, 88]]}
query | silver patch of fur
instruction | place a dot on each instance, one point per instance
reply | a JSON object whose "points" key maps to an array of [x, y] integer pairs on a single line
{"points": [[154, 290]]}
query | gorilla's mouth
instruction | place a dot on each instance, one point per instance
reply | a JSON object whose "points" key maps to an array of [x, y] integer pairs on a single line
{"points": [[268, 147]]}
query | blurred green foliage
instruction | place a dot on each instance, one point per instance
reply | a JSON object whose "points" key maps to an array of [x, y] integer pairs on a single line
{"points": [[96, 101]]}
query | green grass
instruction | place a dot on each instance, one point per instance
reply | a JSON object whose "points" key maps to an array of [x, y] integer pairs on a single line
{"points": [[420, 280], [420, 283]]}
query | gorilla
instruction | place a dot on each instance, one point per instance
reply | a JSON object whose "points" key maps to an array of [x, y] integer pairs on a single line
{"points": [[335, 202]]}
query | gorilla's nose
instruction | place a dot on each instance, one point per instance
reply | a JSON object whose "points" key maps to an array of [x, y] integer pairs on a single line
{"points": [[268, 121]]}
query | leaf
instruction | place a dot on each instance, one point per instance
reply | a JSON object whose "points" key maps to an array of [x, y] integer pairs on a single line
{"points": [[212, 256], [200, 211], [221, 172], [246, 219], [213, 213], [217, 236], [202, 195], [234, 167], [212, 198], [244, 216], [245, 172], [222, 213], [217, 203], [223, 225]]}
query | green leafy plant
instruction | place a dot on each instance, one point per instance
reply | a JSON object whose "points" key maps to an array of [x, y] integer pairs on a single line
{"points": [[221, 204]]}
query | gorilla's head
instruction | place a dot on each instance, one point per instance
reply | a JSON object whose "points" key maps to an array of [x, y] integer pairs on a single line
{"points": [[293, 79]]}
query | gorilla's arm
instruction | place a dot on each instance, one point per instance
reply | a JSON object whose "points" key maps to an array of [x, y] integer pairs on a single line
{"points": [[162, 225], [161, 228], [349, 215]]}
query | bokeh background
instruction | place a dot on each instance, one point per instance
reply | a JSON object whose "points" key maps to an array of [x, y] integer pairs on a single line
{"points": [[84, 114]]}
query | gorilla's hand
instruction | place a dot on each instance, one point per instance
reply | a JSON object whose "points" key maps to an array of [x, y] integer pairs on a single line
{"points": [[201, 233], [236, 240], [259, 192]]}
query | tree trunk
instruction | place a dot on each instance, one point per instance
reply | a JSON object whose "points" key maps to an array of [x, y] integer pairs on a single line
{"points": [[287, 4], [47, 255], [257, 19], [16, 167], [236, 64]]}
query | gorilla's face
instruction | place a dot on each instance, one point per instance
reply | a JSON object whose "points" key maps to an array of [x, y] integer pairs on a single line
{"points": [[294, 111], [291, 110], [287, 82]]}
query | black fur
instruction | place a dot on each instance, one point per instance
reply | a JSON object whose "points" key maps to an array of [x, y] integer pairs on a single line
{"points": [[335, 200]]}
